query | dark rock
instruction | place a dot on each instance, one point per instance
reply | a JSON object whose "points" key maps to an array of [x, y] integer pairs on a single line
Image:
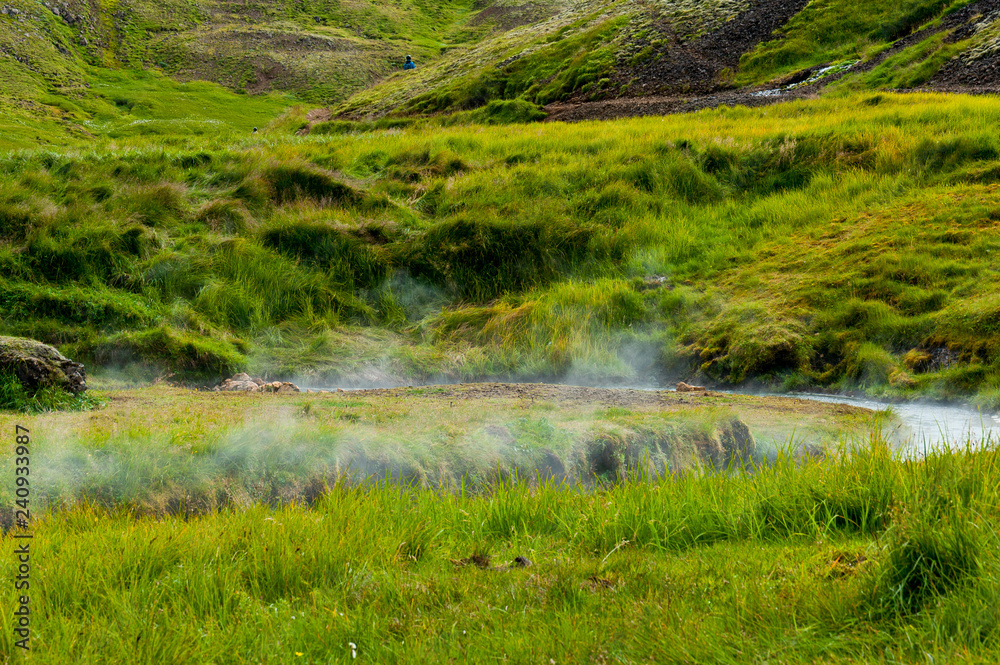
{"points": [[551, 467], [521, 562], [737, 441], [38, 365]]}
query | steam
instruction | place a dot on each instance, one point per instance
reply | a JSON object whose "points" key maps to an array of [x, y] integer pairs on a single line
{"points": [[292, 453]]}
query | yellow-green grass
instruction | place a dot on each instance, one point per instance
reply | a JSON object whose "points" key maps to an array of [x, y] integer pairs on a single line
{"points": [[840, 242], [858, 557], [164, 449]]}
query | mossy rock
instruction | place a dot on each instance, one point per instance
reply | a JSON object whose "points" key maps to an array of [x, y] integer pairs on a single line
{"points": [[737, 441], [38, 365], [731, 442]]}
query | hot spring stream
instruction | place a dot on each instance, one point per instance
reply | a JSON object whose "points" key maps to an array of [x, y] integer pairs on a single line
{"points": [[916, 426], [924, 426]]}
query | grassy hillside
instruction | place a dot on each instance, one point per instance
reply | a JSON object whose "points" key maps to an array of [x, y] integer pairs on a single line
{"points": [[833, 31], [847, 243], [347, 55], [57, 57], [319, 50], [601, 49]]}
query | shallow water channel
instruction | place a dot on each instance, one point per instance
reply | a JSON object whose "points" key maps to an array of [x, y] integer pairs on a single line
{"points": [[923, 426]]}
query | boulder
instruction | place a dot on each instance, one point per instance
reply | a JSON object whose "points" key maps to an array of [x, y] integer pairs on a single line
{"points": [[280, 387], [38, 365], [243, 382]]}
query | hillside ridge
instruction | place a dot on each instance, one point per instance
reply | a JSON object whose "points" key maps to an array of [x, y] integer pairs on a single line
{"points": [[560, 55]]}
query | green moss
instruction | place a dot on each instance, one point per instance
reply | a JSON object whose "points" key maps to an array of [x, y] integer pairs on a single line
{"points": [[189, 356]]}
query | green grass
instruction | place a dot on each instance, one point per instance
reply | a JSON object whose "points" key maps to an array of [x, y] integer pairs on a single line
{"points": [[816, 243], [833, 31], [15, 397], [857, 556]]}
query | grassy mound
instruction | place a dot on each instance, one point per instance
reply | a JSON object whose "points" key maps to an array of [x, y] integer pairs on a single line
{"points": [[844, 243]]}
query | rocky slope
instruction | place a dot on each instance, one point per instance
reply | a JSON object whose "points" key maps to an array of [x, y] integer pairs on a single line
{"points": [[675, 56], [551, 52]]}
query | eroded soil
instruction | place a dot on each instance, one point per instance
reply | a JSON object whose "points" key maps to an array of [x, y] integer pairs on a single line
{"points": [[688, 78], [760, 406]]}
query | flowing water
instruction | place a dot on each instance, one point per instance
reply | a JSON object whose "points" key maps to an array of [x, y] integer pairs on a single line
{"points": [[925, 426]]}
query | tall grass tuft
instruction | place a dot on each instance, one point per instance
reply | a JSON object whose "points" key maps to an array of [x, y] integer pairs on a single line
{"points": [[943, 532], [15, 397]]}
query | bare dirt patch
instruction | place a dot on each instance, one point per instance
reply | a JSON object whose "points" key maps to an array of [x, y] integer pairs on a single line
{"points": [[314, 117], [633, 107], [621, 397], [696, 66]]}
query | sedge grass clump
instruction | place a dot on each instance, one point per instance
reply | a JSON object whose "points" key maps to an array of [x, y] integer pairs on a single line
{"points": [[331, 247], [483, 259], [942, 534], [291, 182], [937, 156], [98, 307], [15, 397], [501, 112], [225, 216], [87, 252], [157, 205], [852, 490], [15, 222]]}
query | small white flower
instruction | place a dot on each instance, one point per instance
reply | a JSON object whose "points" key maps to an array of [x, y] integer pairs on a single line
{"points": [[354, 649]]}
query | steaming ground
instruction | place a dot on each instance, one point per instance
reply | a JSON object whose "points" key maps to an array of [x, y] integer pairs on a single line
{"points": [[166, 450]]}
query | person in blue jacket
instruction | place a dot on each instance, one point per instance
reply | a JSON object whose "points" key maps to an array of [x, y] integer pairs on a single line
{"points": [[409, 64]]}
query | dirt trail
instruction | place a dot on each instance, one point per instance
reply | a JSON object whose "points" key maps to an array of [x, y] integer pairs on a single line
{"points": [[694, 68], [313, 117], [632, 107]]}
